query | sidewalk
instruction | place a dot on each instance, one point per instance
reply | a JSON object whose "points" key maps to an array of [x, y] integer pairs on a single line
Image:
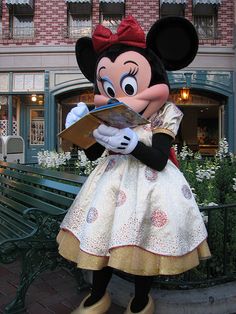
{"points": [[53, 292]]}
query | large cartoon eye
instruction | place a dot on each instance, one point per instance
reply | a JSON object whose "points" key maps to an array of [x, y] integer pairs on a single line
{"points": [[129, 85], [108, 88]]}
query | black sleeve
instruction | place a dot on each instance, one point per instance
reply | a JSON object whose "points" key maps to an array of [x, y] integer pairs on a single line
{"points": [[157, 155], [94, 152]]}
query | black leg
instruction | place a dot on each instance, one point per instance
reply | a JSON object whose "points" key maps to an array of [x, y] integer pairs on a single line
{"points": [[143, 286], [101, 280]]}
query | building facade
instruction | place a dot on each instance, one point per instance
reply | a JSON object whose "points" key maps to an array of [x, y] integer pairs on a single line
{"points": [[40, 80]]}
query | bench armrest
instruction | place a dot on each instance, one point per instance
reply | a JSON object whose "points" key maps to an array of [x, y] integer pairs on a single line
{"points": [[32, 210], [47, 223]]}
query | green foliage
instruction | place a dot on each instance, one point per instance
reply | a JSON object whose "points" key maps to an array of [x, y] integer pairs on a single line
{"points": [[213, 181]]}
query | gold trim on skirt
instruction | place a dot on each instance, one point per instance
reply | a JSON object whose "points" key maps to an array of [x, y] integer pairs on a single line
{"points": [[131, 259]]}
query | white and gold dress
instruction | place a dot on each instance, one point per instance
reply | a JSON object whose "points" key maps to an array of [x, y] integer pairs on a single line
{"points": [[133, 218]]}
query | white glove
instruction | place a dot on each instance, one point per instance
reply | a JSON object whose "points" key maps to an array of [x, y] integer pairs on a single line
{"points": [[76, 114], [121, 141]]}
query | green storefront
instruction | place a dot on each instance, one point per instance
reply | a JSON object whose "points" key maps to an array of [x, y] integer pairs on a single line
{"points": [[34, 105]]}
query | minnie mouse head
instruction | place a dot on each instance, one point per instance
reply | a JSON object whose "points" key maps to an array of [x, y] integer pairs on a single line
{"points": [[131, 69]]}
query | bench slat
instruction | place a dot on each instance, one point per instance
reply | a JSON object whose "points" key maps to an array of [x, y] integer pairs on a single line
{"points": [[64, 187], [69, 177], [38, 192], [19, 208], [7, 232], [11, 226], [18, 219], [32, 202]]}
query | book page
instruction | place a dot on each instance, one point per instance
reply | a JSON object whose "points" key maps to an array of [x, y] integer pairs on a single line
{"points": [[81, 132], [119, 116]]}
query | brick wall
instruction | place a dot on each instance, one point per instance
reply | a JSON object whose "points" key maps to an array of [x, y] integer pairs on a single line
{"points": [[226, 21], [50, 21]]}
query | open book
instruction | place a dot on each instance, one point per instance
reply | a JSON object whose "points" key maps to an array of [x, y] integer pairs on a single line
{"points": [[117, 115]]}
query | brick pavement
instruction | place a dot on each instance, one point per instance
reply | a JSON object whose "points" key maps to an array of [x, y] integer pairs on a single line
{"points": [[54, 292]]}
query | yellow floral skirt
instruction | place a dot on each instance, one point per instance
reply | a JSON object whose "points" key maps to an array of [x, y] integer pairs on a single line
{"points": [[131, 259]]}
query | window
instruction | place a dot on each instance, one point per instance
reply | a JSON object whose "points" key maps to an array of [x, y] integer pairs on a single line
{"points": [[205, 21], [168, 9], [22, 26], [37, 127], [111, 13], [79, 25], [111, 21], [205, 26]]}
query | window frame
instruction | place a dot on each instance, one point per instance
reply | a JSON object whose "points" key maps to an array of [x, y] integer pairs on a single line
{"points": [[109, 25], [76, 31], [21, 32]]}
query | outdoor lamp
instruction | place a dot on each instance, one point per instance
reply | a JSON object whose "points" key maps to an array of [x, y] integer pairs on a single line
{"points": [[185, 93], [34, 98]]}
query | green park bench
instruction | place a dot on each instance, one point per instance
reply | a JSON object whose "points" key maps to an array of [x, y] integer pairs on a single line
{"points": [[33, 201]]}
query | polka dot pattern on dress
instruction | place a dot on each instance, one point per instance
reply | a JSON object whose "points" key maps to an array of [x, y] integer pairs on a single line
{"points": [[186, 192], [110, 164], [92, 215], [121, 198], [159, 218], [147, 127], [151, 174]]}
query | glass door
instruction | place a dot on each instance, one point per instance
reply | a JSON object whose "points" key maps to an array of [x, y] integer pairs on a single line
{"points": [[35, 132]]}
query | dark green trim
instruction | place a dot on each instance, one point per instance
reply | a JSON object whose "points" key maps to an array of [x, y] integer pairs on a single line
{"points": [[53, 136], [230, 123], [10, 124], [219, 82], [47, 131], [9, 128]]}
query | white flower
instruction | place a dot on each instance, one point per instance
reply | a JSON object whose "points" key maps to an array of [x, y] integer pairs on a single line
{"points": [[52, 159], [223, 150], [175, 149], [211, 204], [206, 173], [234, 185], [185, 152], [84, 165], [193, 192], [197, 155], [205, 217]]}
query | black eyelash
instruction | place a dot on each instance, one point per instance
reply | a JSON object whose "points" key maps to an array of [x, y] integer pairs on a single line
{"points": [[133, 71]]}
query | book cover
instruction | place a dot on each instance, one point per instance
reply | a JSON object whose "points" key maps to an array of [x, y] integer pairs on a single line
{"points": [[117, 115]]}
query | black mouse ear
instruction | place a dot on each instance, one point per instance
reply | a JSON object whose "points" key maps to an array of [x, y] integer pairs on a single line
{"points": [[86, 57], [174, 40]]}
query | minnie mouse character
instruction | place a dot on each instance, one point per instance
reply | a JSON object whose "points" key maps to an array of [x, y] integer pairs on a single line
{"points": [[136, 212]]}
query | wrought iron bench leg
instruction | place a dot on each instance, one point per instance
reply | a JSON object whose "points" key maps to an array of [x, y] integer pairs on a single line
{"points": [[34, 262]]}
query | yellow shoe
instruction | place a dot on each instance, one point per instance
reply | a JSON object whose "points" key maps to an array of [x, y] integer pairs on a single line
{"points": [[101, 307], [149, 308]]}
